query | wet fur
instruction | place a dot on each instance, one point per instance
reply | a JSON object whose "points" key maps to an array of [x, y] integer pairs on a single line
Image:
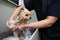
{"points": [[22, 19]]}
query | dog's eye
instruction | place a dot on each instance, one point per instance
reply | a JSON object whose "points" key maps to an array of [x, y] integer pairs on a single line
{"points": [[26, 15]]}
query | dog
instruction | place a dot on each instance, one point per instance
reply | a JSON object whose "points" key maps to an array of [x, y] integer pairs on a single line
{"points": [[22, 18]]}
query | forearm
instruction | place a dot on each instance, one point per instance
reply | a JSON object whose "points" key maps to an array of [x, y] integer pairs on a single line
{"points": [[15, 13], [39, 24], [48, 22]]}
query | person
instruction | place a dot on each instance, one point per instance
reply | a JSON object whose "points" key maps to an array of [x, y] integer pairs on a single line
{"points": [[48, 14]]}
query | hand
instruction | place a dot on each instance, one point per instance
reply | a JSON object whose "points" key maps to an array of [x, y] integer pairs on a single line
{"points": [[22, 26], [22, 6], [9, 23]]}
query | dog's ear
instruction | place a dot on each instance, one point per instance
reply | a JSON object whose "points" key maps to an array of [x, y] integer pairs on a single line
{"points": [[22, 9]]}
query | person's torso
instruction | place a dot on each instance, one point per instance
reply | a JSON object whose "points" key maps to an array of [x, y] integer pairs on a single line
{"points": [[41, 8]]}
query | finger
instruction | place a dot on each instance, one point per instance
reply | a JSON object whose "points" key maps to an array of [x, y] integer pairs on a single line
{"points": [[20, 27], [7, 23], [14, 27]]}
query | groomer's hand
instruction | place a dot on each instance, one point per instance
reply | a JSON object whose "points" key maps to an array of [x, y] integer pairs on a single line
{"points": [[22, 26], [8, 23]]}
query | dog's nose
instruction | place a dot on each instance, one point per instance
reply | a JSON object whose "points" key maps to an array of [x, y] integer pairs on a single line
{"points": [[30, 17]]}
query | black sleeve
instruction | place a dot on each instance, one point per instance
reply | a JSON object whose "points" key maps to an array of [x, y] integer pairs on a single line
{"points": [[54, 9], [29, 4]]}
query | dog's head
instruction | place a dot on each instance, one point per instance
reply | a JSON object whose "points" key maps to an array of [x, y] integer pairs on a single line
{"points": [[25, 14]]}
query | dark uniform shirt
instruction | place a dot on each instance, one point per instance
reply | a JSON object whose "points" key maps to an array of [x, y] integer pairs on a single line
{"points": [[43, 9]]}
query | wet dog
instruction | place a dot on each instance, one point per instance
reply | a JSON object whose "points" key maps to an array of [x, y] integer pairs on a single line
{"points": [[22, 18]]}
